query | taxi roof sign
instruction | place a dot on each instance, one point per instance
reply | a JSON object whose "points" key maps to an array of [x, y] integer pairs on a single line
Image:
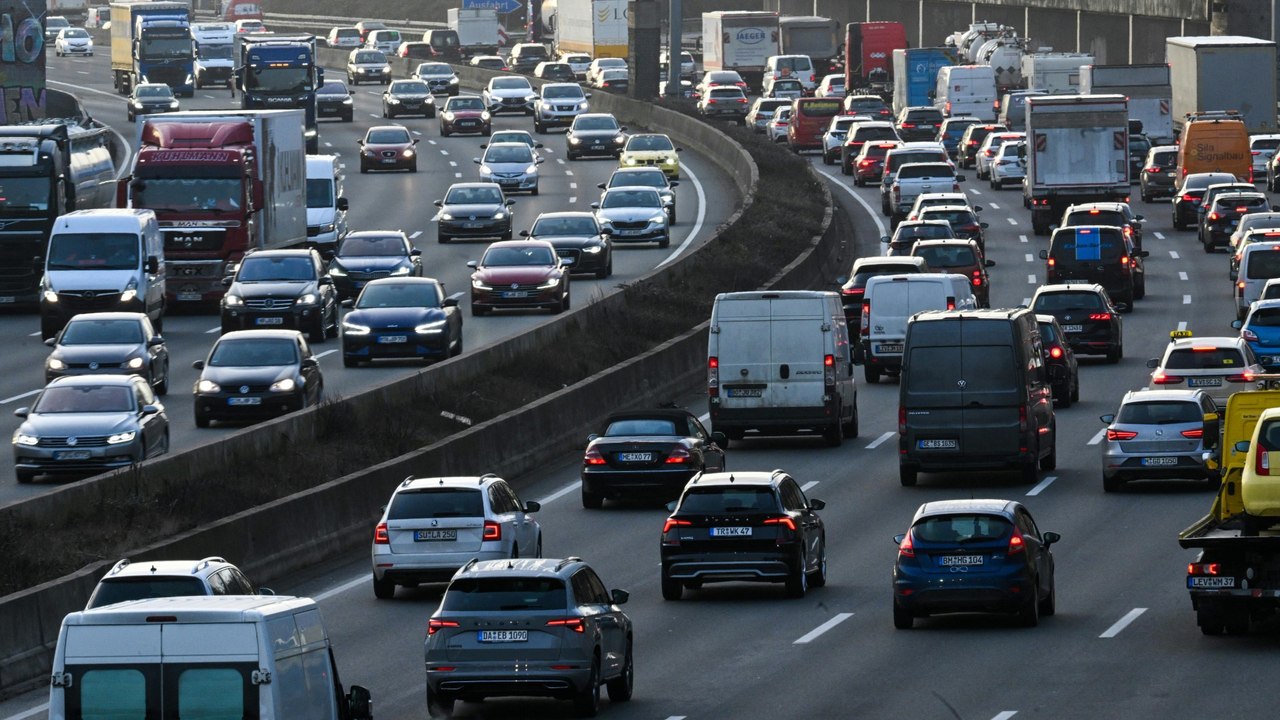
{"points": [[1179, 334]]}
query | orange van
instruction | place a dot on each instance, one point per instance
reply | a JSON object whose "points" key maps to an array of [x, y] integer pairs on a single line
{"points": [[1215, 142]]}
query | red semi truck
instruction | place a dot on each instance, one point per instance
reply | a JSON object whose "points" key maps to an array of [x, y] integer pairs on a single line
{"points": [[868, 56]]}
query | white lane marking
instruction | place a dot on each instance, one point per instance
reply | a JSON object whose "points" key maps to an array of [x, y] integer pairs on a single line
{"points": [[547, 150], [1030, 257], [1186, 299], [1098, 438], [676, 717], [339, 589], [809, 485], [18, 397], [211, 97], [697, 221], [373, 115], [1026, 301], [573, 186], [415, 132], [326, 352], [1173, 254], [444, 152], [212, 330], [818, 631], [29, 713], [561, 492], [457, 175], [880, 440], [1012, 221], [1031, 279], [1159, 235], [415, 234], [975, 191], [1005, 715], [86, 72], [1182, 325], [34, 334], [993, 206], [1123, 623], [560, 160], [568, 173], [328, 144], [573, 199], [431, 142], [453, 163], [872, 213], [1182, 275], [1022, 238], [342, 166], [1041, 487]]}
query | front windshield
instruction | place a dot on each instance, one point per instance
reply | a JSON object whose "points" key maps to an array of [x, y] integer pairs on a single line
{"points": [[510, 84], [278, 79], [457, 104], [85, 399], [495, 63], [319, 193], [219, 195], [154, 91], [630, 198], [410, 88], [372, 246], [24, 193], [151, 47], [74, 33], [650, 143], [649, 178], [332, 88], [516, 136], [595, 123], [435, 69], [97, 251], [399, 295], [392, 136], [473, 196], [275, 269], [101, 332], [518, 257], [215, 52], [370, 57], [564, 226], [255, 352], [562, 92], [519, 154]]}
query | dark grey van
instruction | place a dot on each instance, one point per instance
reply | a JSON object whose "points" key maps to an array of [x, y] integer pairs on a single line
{"points": [[974, 395]]}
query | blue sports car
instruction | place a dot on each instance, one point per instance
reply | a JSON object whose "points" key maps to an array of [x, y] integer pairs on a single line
{"points": [[402, 317]]}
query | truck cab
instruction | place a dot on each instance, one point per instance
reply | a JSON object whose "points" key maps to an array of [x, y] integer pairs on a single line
{"points": [[280, 72]]}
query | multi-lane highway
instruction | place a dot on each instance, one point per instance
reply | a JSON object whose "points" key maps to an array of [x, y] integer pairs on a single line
{"points": [[387, 200]]}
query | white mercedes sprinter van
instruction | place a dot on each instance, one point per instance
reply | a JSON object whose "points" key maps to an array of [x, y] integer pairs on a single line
{"points": [[326, 206]]}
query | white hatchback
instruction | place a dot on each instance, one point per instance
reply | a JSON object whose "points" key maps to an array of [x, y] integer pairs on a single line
{"points": [[1262, 148]]}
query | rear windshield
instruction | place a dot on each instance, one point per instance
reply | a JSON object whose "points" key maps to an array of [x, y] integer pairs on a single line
{"points": [[1209, 358], [1047, 333], [898, 159], [1250, 204], [640, 426], [793, 63], [860, 280], [955, 217], [501, 594], [1271, 293], [924, 170], [923, 232], [1265, 144], [946, 256], [442, 503], [1269, 436], [956, 128], [874, 132], [876, 150], [961, 528], [710, 501], [924, 115], [122, 589], [1165, 158], [1087, 245], [1161, 412], [983, 368], [1052, 302], [1263, 265], [1099, 217]]}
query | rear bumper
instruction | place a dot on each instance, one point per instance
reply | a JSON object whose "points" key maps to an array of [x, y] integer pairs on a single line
{"points": [[407, 568], [955, 594], [617, 483], [512, 679], [730, 567], [772, 420]]}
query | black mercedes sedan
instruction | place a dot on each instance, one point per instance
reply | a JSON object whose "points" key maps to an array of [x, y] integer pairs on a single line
{"points": [[402, 317], [649, 453], [334, 100], [256, 374]]}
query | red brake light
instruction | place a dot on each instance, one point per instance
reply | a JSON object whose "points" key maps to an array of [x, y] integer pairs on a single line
{"points": [[1188, 197], [492, 531], [1099, 316], [1095, 211], [1213, 216], [1255, 152], [977, 278], [678, 456], [1022, 418], [908, 124], [829, 370], [713, 376], [1016, 543], [574, 624], [674, 522], [1121, 434], [1241, 378], [1161, 379], [905, 548], [853, 291], [1249, 335], [784, 521], [1055, 352], [1151, 169], [1197, 433], [433, 625], [593, 457], [380, 535], [866, 318], [1203, 568]]}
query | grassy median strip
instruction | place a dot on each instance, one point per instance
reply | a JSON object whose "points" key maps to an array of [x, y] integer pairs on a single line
{"points": [[786, 214]]}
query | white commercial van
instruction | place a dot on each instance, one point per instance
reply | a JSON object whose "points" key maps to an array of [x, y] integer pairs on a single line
{"points": [[1259, 263], [326, 206], [792, 67], [966, 90], [248, 657], [780, 362], [388, 41], [102, 261], [890, 300]]}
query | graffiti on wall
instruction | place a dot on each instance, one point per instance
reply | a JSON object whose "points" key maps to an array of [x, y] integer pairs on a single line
{"points": [[22, 83]]}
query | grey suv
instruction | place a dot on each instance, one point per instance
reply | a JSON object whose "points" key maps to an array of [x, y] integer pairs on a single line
{"points": [[1156, 435], [530, 627], [557, 105]]}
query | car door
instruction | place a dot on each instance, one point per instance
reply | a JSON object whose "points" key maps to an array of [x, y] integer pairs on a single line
{"points": [[807, 522], [1043, 558], [526, 527], [157, 354], [313, 382], [610, 620], [148, 425]]}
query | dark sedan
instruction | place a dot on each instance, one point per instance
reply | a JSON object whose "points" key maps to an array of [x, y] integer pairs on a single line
{"points": [[150, 98], [408, 97], [367, 255], [1059, 361], [648, 453], [402, 318], [334, 100], [595, 134], [112, 343], [256, 374], [583, 246], [474, 210]]}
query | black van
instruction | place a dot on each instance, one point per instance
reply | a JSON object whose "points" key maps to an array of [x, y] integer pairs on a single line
{"points": [[974, 395], [1097, 254]]}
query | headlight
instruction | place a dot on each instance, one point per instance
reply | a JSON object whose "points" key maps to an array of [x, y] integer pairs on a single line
{"points": [[351, 328], [134, 363], [173, 104], [128, 295], [285, 385], [123, 437], [431, 328], [447, 115], [619, 139], [232, 300], [631, 161], [54, 363], [658, 220], [593, 249], [670, 161], [531, 169], [453, 80], [553, 282], [347, 101], [393, 101], [583, 105], [445, 216], [50, 296], [575, 141], [208, 386], [485, 115], [327, 228], [485, 171], [479, 285], [546, 105], [499, 215], [361, 70], [307, 299], [337, 271], [402, 270], [21, 438], [386, 68], [408, 153]]}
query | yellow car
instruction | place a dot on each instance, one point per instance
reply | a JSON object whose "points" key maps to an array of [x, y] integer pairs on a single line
{"points": [[1260, 482], [651, 150]]}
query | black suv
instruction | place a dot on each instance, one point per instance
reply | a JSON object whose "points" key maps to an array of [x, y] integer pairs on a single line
{"points": [[526, 56], [1158, 173], [744, 526], [274, 289], [1187, 199], [1106, 213], [1097, 254], [1224, 215], [1089, 322], [918, 123], [1059, 361]]}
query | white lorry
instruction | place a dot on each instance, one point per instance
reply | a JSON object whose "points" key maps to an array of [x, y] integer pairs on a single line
{"points": [[595, 27], [215, 51], [1054, 73], [740, 40], [1224, 72], [477, 30], [1148, 88], [1077, 151]]}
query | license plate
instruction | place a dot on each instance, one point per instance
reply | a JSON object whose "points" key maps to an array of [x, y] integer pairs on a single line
{"points": [[8, 299], [635, 457], [189, 297], [745, 392], [472, 225], [889, 348], [73, 455], [627, 232], [434, 535], [1204, 382], [515, 294], [503, 636], [389, 161], [960, 560], [269, 321], [730, 532], [597, 146], [244, 401], [1073, 328], [1173, 174], [1158, 461], [936, 444], [1211, 582], [392, 339]]}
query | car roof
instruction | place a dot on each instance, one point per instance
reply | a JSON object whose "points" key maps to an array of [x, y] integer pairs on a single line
{"points": [[450, 481], [374, 233], [545, 567], [89, 380], [565, 214], [924, 221], [867, 262], [947, 241], [1069, 287], [107, 316], [1119, 206], [1164, 395], [946, 208], [524, 243], [669, 413], [250, 334], [1220, 341], [281, 252], [956, 507], [720, 479], [152, 568]]}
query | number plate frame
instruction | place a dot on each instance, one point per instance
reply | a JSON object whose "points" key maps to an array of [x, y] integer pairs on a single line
{"points": [[938, 444], [1210, 583], [72, 455], [744, 392], [502, 636], [1159, 461], [436, 535], [730, 532], [1204, 382], [961, 560]]}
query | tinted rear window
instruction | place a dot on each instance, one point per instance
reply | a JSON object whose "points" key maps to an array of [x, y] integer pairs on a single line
{"points": [[947, 256], [1051, 302], [442, 503], [1265, 317], [1263, 265], [710, 501], [922, 170], [122, 589], [898, 159], [1206, 359], [984, 369], [961, 528], [1165, 158], [1265, 144], [1252, 204], [504, 594], [1159, 412], [1102, 217], [924, 115], [1047, 333], [1087, 246], [864, 133], [860, 280]]}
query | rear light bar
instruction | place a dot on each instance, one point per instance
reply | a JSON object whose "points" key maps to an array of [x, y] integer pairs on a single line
{"points": [[1241, 378], [492, 531], [593, 457], [1204, 568], [713, 377], [1161, 379], [1121, 434], [434, 625], [1099, 316], [866, 318], [674, 522], [784, 521], [380, 535], [1249, 335], [574, 624], [1193, 434], [905, 548]]}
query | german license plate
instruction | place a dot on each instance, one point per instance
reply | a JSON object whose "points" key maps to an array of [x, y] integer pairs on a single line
{"points": [[7, 299], [389, 161], [73, 455], [745, 392], [244, 401], [1073, 328], [503, 636], [960, 560], [515, 294], [730, 532], [472, 225], [597, 146], [189, 297], [269, 321], [1204, 382], [889, 348], [938, 444], [1159, 461], [392, 339], [1211, 582], [635, 457], [434, 535]]}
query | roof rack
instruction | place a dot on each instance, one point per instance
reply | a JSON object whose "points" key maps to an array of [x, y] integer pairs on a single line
{"points": [[121, 565], [206, 562], [407, 480], [480, 480], [567, 561], [470, 563]]}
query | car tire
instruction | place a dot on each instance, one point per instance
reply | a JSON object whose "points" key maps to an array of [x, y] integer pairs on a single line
{"points": [[539, 128], [162, 388], [606, 271], [586, 701], [439, 704], [1065, 400], [24, 476], [534, 191], [1050, 461], [349, 117], [317, 333], [442, 238], [1146, 197], [621, 687], [479, 310], [907, 476], [363, 168], [798, 581], [671, 589], [202, 420], [1111, 484], [872, 374], [818, 578], [592, 501], [1029, 613], [851, 427], [1210, 620], [834, 433], [1075, 390], [1049, 605], [902, 617], [383, 589], [1114, 354], [665, 242]]}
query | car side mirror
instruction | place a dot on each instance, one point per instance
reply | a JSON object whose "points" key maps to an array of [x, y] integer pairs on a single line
{"points": [[984, 226], [897, 539], [438, 203], [510, 203], [1051, 538], [538, 145], [1275, 208], [415, 253], [619, 597], [51, 342], [149, 410], [1237, 324], [674, 183], [815, 504], [884, 238], [359, 703], [360, 143], [1108, 418], [309, 363], [472, 264], [960, 178], [1240, 447], [989, 263], [155, 341], [1212, 428], [720, 439], [600, 185], [976, 208], [1044, 254], [524, 233], [1143, 253], [325, 280], [226, 281], [22, 412], [539, 161], [532, 507], [343, 204], [1153, 363], [586, 95], [671, 506], [198, 365], [595, 206], [153, 265], [475, 160], [1138, 218], [348, 303]]}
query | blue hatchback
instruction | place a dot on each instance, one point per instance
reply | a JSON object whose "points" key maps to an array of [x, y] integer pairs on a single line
{"points": [[973, 556], [1261, 329]]}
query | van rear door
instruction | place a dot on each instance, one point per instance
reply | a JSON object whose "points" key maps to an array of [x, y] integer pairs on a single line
{"points": [[799, 342], [742, 329]]}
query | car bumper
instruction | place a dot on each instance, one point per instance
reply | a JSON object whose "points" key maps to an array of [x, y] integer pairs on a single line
{"points": [[427, 567], [617, 483], [58, 461], [1132, 466], [623, 236], [523, 107], [218, 406], [387, 344], [730, 567], [534, 299], [474, 681], [516, 184], [1093, 343], [583, 149], [961, 460], [475, 228], [334, 110], [771, 421], [466, 126], [1001, 591], [557, 118], [85, 50], [246, 319]]}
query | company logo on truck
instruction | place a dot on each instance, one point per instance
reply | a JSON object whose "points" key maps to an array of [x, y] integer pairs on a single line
{"points": [[751, 36]]}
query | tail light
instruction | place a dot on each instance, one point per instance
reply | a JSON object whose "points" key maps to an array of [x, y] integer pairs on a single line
{"points": [[905, 548], [1249, 335], [434, 625], [1152, 169], [1213, 216], [951, 303], [977, 278], [1052, 263], [1242, 209], [955, 186], [1016, 543], [740, 84], [1240, 378], [1240, 286], [574, 624], [1055, 352], [678, 456], [1162, 379], [973, 142], [492, 531], [1204, 568], [380, 535], [897, 192], [1124, 262], [908, 125], [1193, 434], [666, 529], [593, 457], [866, 163], [829, 371], [784, 521], [853, 291], [1262, 462], [866, 318], [1188, 197], [1255, 152], [713, 377], [1121, 434], [989, 152], [1100, 316], [902, 420]]}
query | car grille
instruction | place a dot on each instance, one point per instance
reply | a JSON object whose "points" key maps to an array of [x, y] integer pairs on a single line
{"points": [[570, 254], [509, 176], [565, 108], [246, 389], [167, 75], [371, 275], [97, 366], [438, 84], [79, 301], [622, 225], [389, 153], [80, 441], [1160, 446], [269, 303], [512, 101]]}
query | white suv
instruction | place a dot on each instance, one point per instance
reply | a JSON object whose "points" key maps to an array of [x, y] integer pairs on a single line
{"points": [[170, 578], [433, 526], [557, 105]]}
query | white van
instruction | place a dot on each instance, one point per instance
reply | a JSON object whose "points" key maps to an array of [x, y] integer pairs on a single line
{"points": [[890, 300], [966, 90], [101, 261], [326, 205], [791, 67], [230, 656], [1259, 263], [388, 41], [780, 362]]}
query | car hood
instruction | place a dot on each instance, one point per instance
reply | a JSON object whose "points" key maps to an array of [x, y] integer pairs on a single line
{"points": [[103, 354], [608, 134], [232, 377], [394, 318], [570, 241], [468, 113], [507, 167], [629, 214], [67, 424], [503, 275], [90, 279], [368, 65], [273, 289], [512, 93], [477, 211], [415, 97], [379, 148], [648, 154], [371, 264], [332, 97]]}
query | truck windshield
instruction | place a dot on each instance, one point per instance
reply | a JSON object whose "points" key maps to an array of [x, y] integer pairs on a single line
{"points": [[24, 193], [214, 194], [319, 193], [277, 79], [215, 52], [93, 251], [153, 47]]}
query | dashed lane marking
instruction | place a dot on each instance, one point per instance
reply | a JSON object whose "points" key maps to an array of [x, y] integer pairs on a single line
{"points": [[573, 186], [880, 440], [457, 175], [444, 152], [1123, 623], [1030, 257], [809, 485], [1005, 715], [993, 206], [415, 234], [1182, 275], [1186, 299], [1012, 221], [562, 492], [453, 163], [1182, 325], [1041, 487], [1022, 238], [326, 352], [1173, 254], [1031, 279], [573, 200], [1159, 235], [1098, 437], [817, 632], [29, 393]]}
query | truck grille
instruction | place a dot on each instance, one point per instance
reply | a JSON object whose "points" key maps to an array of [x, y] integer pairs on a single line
{"points": [[171, 76]]}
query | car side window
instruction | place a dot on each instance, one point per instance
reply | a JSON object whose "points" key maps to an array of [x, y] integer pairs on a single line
{"points": [[1027, 525], [513, 500], [582, 588], [138, 397], [304, 350], [792, 498], [696, 429], [598, 591], [148, 395], [217, 584]]}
